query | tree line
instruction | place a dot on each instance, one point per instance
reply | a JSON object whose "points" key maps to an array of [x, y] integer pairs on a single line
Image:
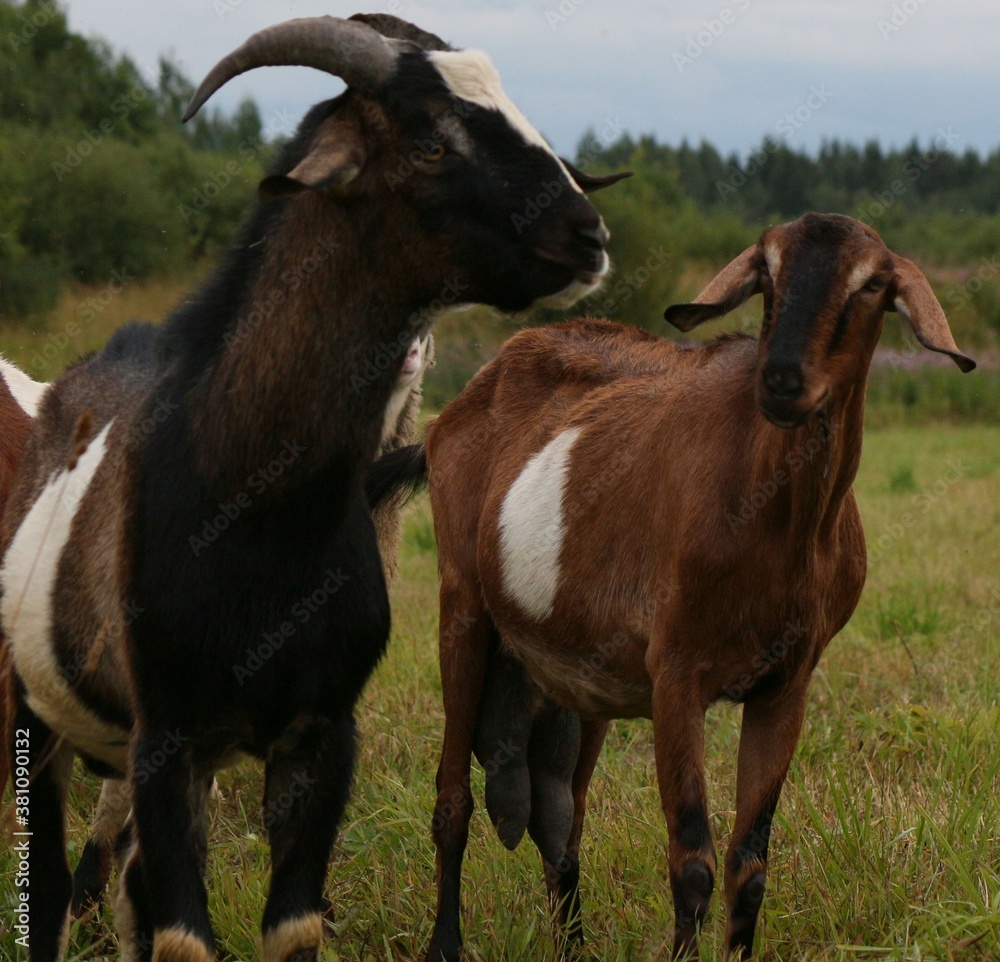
{"points": [[100, 178], [102, 181]]}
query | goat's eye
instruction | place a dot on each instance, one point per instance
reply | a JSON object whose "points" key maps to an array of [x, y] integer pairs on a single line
{"points": [[874, 286], [435, 153]]}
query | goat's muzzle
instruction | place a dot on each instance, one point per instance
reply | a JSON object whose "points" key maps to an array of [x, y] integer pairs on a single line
{"points": [[581, 249], [785, 398]]}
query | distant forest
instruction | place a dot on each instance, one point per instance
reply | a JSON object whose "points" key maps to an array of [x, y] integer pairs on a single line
{"points": [[100, 176]]}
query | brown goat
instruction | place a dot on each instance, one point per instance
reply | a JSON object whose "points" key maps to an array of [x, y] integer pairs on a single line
{"points": [[631, 528]]}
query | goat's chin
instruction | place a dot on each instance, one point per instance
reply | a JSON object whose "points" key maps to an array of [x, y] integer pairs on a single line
{"points": [[583, 285]]}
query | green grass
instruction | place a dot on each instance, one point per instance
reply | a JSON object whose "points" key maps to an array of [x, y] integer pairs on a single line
{"points": [[888, 832]]}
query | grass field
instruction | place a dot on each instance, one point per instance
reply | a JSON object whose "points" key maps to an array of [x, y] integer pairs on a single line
{"points": [[888, 837]]}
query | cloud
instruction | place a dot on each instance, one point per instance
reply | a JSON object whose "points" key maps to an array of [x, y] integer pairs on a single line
{"points": [[727, 71]]}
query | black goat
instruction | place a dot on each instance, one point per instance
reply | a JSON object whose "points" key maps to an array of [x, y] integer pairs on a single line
{"points": [[153, 582]]}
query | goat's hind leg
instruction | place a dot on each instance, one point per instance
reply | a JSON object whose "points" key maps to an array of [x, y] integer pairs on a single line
{"points": [[94, 868], [39, 844], [467, 632], [306, 792]]}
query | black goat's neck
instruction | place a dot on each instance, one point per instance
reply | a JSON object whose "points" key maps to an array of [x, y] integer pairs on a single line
{"points": [[306, 366]]}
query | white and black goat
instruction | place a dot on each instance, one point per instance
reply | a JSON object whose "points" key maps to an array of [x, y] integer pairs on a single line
{"points": [[629, 528], [154, 580], [399, 426], [19, 400]]}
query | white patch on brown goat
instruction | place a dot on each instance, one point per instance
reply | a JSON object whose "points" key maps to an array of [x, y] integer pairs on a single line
{"points": [[28, 577], [470, 74], [532, 527], [27, 393], [772, 254], [861, 274]]}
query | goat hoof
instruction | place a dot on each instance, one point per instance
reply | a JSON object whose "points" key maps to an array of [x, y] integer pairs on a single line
{"points": [[437, 954]]}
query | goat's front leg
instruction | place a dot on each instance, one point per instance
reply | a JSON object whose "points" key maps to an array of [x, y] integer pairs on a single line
{"points": [[679, 741], [770, 731], [39, 844], [164, 884], [305, 795]]}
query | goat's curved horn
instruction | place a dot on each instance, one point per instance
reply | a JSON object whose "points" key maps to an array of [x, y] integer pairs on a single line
{"points": [[353, 51]]}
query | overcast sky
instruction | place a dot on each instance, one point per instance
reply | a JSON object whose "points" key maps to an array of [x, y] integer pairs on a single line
{"points": [[729, 71]]}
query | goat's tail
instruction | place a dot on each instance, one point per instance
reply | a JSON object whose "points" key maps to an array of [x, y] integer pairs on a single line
{"points": [[397, 476]]}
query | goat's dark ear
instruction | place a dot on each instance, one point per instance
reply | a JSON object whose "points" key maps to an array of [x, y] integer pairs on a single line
{"points": [[588, 183], [913, 298], [335, 157], [736, 283]]}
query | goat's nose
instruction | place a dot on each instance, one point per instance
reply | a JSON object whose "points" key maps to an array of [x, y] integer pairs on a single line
{"points": [[594, 236], [783, 381]]}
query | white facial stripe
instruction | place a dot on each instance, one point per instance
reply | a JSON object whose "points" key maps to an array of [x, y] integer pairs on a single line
{"points": [[29, 577], [772, 254], [27, 393], [532, 527], [860, 276], [470, 74]]}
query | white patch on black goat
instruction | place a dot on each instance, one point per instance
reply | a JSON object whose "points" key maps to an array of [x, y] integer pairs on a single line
{"points": [[27, 393], [29, 577], [470, 74], [413, 364], [532, 527]]}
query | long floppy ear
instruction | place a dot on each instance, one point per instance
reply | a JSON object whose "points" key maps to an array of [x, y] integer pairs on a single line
{"points": [[588, 183], [732, 286], [335, 157], [915, 301]]}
